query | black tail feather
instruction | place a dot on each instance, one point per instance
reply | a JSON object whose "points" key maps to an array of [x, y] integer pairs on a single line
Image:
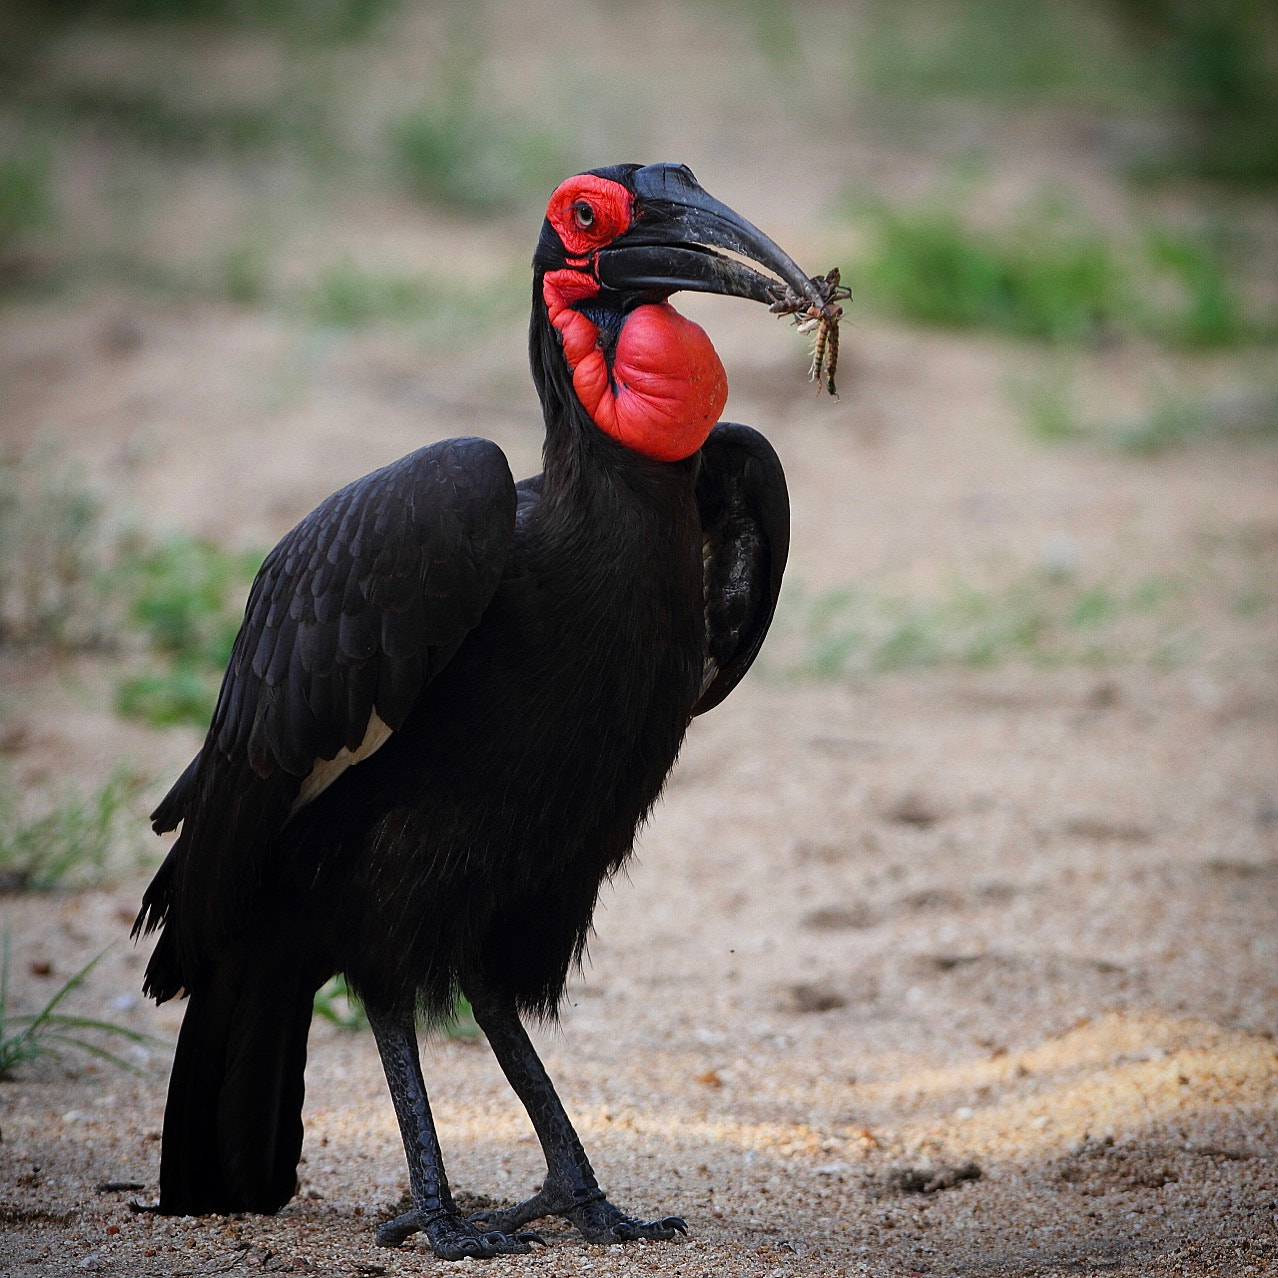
{"points": [[233, 1123]]}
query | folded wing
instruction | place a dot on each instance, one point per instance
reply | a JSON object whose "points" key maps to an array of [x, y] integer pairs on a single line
{"points": [[351, 615], [745, 518]]}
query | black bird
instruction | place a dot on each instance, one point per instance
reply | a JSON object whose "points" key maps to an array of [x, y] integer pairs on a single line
{"points": [[452, 701]]}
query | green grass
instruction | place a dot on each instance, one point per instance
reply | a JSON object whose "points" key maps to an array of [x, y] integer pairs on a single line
{"points": [[337, 1004], [774, 25], [462, 1023], [1045, 619], [1054, 278], [1210, 312], [68, 582], [51, 1032], [182, 691], [185, 598], [186, 594], [1054, 283], [70, 842], [26, 202]]}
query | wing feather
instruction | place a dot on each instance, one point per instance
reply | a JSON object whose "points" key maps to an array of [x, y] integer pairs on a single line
{"points": [[350, 615], [745, 520]]}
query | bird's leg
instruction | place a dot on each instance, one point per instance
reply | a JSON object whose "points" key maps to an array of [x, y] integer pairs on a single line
{"points": [[452, 1237], [570, 1189]]}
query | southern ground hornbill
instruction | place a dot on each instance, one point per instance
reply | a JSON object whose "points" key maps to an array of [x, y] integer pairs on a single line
{"points": [[453, 700]]}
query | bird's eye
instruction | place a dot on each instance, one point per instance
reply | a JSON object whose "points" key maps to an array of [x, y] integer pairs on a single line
{"points": [[583, 214]]}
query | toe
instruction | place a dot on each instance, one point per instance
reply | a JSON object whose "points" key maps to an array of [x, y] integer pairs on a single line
{"points": [[452, 1238], [391, 1233]]}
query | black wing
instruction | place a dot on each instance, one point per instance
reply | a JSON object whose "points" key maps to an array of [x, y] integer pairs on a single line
{"points": [[351, 615], [745, 518]]}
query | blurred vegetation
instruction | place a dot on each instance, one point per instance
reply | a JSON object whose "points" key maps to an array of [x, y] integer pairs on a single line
{"points": [[1047, 408], [322, 19], [28, 210], [25, 201], [1052, 282], [1045, 619], [184, 598], [1223, 61], [157, 120], [1001, 51], [457, 150], [1177, 421], [343, 295], [460, 156], [67, 843], [1210, 66], [67, 580], [1053, 277], [1174, 419], [1188, 93]]}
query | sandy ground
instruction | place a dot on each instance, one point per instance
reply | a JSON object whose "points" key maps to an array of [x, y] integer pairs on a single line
{"points": [[943, 972]]}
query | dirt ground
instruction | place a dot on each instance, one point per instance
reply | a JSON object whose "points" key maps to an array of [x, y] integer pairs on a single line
{"points": [[940, 971]]}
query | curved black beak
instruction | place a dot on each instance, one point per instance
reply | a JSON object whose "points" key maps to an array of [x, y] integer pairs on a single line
{"points": [[670, 247]]}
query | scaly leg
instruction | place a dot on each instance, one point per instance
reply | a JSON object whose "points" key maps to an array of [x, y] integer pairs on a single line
{"points": [[452, 1237], [570, 1189]]}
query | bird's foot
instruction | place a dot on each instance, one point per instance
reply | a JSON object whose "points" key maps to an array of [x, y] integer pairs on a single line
{"points": [[452, 1237], [600, 1222], [595, 1217]]}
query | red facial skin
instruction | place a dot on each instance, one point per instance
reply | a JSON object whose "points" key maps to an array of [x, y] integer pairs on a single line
{"points": [[670, 385]]}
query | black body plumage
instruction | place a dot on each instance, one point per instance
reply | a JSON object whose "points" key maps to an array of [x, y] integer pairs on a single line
{"points": [[534, 654]]}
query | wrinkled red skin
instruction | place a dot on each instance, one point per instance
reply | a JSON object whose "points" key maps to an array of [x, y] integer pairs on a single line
{"points": [[667, 386]]}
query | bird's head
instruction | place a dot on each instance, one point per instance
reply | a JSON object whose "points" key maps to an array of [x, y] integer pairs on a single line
{"points": [[616, 243]]}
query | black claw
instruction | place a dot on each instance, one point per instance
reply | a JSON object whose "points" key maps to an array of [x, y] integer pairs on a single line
{"points": [[452, 1238], [459, 1246], [597, 1220]]}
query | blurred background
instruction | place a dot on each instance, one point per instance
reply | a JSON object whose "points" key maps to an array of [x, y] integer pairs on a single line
{"points": [[251, 249]]}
